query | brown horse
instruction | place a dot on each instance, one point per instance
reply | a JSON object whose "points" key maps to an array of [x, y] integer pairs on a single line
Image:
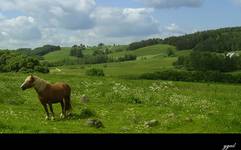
{"points": [[49, 94]]}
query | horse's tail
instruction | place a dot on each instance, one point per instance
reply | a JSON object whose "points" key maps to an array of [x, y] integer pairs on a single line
{"points": [[68, 106]]}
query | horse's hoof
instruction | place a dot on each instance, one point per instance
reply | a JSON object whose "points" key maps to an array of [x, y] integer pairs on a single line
{"points": [[47, 118], [52, 118], [62, 116]]}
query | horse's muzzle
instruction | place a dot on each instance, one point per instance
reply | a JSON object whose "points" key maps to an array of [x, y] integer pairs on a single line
{"points": [[23, 88]]}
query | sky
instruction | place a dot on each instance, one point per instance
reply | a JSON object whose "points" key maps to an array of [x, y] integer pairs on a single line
{"points": [[33, 23]]}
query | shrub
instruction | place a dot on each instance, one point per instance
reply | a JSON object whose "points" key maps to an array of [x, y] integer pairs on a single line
{"points": [[192, 76], [95, 72], [17, 62], [170, 52], [41, 69], [86, 113], [127, 57], [77, 51]]}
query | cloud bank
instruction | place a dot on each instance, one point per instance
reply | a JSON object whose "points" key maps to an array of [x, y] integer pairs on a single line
{"points": [[171, 3], [38, 22]]}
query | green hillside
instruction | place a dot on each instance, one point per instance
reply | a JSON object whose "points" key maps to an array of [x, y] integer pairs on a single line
{"points": [[121, 68], [159, 49], [59, 55], [150, 59]]}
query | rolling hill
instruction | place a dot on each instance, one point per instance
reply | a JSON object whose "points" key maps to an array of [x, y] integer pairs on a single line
{"points": [[150, 59]]}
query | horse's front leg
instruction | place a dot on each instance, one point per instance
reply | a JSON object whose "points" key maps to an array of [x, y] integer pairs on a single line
{"points": [[52, 112], [46, 110]]}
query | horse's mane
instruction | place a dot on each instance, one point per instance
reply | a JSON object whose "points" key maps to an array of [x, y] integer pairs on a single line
{"points": [[40, 84]]}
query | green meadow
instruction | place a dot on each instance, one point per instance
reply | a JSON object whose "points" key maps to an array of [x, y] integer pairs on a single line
{"points": [[123, 105]]}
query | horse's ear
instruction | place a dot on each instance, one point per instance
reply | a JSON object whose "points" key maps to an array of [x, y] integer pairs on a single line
{"points": [[31, 76]]}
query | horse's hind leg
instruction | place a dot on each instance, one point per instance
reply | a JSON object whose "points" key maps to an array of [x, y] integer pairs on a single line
{"points": [[51, 109], [63, 114], [46, 110], [68, 106]]}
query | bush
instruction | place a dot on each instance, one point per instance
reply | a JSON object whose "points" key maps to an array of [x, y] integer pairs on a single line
{"points": [[41, 69], [77, 51], [95, 72], [170, 52], [17, 62], [26, 70], [192, 76], [127, 57], [86, 113]]}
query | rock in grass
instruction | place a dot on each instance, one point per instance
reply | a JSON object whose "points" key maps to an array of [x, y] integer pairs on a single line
{"points": [[124, 129], [94, 123], [188, 119], [151, 123], [84, 99], [171, 115]]}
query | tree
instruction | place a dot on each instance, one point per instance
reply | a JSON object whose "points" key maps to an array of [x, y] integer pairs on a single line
{"points": [[77, 51], [170, 52], [98, 52], [101, 44], [40, 51]]}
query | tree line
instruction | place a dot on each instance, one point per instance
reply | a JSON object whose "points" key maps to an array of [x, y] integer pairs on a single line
{"points": [[219, 40], [39, 51], [206, 61], [11, 61]]}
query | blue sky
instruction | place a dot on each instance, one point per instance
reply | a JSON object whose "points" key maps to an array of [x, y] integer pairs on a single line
{"points": [[211, 14], [32, 23]]}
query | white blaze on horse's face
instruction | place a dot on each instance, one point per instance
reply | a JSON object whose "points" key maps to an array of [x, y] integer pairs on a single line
{"points": [[28, 83]]}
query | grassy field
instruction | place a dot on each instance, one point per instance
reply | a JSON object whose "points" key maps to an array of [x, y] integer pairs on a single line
{"points": [[150, 59], [59, 55], [121, 68], [123, 105], [64, 53]]}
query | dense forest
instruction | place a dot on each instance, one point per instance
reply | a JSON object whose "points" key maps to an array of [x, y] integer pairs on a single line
{"points": [[207, 61], [220, 40], [144, 43]]}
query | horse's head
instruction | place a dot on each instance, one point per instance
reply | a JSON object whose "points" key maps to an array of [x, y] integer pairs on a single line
{"points": [[28, 83]]}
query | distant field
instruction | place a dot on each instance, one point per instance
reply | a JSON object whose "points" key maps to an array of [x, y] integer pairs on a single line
{"points": [[154, 60], [64, 53], [59, 55], [159, 49], [121, 68]]}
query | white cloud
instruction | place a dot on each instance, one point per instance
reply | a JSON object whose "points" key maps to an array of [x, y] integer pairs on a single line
{"points": [[68, 22], [171, 3], [71, 14], [173, 30], [20, 28], [116, 22], [19, 31]]}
